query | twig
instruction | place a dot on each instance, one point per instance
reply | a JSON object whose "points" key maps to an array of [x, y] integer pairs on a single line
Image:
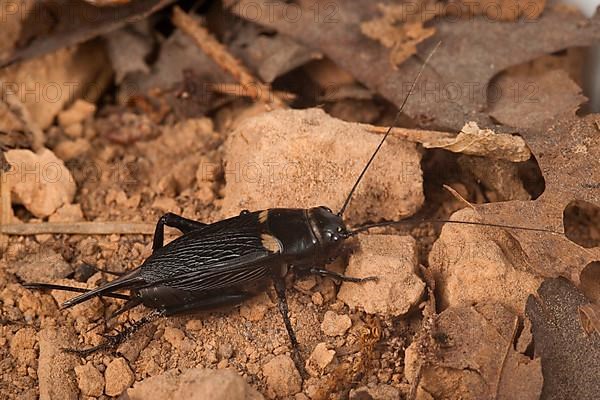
{"points": [[219, 53], [5, 207], [238, 89], [412, 135], [79, 228]]}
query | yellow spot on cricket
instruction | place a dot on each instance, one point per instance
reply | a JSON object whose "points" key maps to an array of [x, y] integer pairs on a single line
{"points": [[270, 243], [262, 216]]}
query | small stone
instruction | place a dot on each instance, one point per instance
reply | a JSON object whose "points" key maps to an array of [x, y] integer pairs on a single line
{"points": [[393, 260], [90, 380], [39, 181], [283, 379], [174, 336], [317, 298], [193, 325], [22, 346], [334, 324], [306, 283], [225, 351], [74, 131], [166, 204], [77, 113], [205, 194], [118, 377], [320, 358], [70, 149]]}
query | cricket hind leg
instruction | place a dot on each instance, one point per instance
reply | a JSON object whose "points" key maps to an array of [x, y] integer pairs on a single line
{"points": [[282, 304], [185, 225], [132, 302], [201, 304], [112, 341]]}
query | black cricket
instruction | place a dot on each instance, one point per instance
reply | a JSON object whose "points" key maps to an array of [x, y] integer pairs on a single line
{"points": [[229, 261]]}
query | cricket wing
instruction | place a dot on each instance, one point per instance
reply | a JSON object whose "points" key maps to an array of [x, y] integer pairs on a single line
{"points": [[223, 256]]}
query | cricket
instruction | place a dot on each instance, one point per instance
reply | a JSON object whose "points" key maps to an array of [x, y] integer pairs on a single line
{"points": [[303, 200]]}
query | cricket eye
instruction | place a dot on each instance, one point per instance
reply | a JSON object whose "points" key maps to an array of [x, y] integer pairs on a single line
{"points": [[327, 209], [331, 236]]}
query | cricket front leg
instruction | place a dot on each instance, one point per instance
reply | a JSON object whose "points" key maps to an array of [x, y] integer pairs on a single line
{"points": [[279, 284]]}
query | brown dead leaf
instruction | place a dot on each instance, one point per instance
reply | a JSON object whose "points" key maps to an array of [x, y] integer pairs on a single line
{"points": [[570, 358], [473, 140], [497, 10], [475, 357], [269, 55], [567, 149], [128, 49], [453, 89], [71, 22], [400, 29], [530, 99]]}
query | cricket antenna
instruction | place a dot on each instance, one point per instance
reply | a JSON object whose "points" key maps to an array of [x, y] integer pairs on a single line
{"points": [[412, 87], [364, 228]]}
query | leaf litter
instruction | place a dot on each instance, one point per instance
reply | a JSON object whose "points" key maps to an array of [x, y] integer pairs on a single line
{"points": [[488, 335]]}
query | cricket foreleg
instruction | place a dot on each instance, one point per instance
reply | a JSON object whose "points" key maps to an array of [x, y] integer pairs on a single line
{"points": [[279, 284]]}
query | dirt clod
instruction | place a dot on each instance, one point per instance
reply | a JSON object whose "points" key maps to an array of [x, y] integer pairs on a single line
{"points": [[118, 377], [22, 346], [319, 359], [283, 379], [90, 380], [334, 324], [41, 182], [392, 259], [78, 112], [55, 367], [194, 384], [471, 266], [307, 158]]}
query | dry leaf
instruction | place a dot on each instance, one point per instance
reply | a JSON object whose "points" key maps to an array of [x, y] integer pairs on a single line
{"points": [[75, 22], [475, 141], [540, 99], [570, 358], [453, 89], [400, 29], [128, 49], [474, 357], [269, 55], [497, 10], [567, 149]]}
